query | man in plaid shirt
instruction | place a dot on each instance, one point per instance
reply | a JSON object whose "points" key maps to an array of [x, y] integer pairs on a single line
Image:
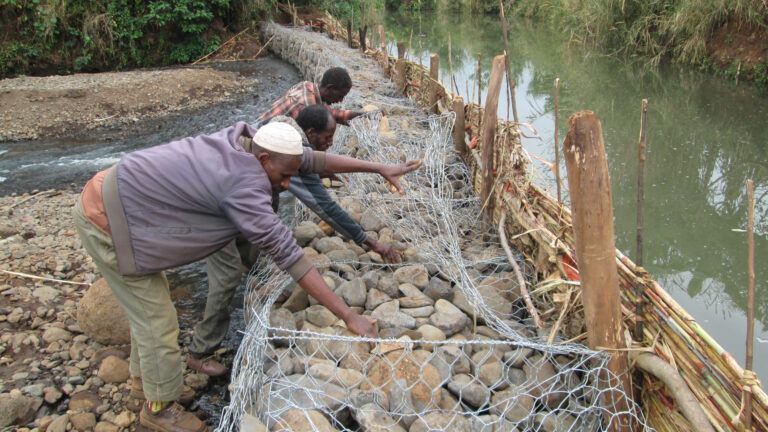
{"points": [[335, 84]]}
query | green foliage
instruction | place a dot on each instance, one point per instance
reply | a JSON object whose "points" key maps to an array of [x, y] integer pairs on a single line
{"points": [[60, 36], [656, 29]]}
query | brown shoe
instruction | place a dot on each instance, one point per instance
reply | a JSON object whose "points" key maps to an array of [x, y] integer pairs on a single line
{"points": [[137, 392], [172, 418], [208, 365]]}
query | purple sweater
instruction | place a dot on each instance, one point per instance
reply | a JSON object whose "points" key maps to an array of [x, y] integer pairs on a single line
{"points": [[179, 202]]}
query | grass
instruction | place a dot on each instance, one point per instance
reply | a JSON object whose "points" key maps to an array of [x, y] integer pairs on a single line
{"points": [[656, 29]]}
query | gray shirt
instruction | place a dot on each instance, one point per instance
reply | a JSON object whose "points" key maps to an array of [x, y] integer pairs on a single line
{"points": [[184, 200]]}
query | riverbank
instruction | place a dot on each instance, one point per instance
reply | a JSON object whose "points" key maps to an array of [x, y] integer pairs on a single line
{"points": [[38, 107], [53, 373]]}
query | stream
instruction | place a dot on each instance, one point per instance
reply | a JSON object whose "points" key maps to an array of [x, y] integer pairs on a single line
{"points": [[705, 138]]}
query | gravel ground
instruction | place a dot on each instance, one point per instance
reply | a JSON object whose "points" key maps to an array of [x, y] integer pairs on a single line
{"points": [[37, 107]]}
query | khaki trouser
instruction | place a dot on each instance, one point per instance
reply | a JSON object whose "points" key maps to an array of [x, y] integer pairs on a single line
{"points": [[155, 353], [225, 269]]}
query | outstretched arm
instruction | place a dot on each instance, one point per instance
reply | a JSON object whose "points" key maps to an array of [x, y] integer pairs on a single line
{"points": [[338, 164], [315, 286]]}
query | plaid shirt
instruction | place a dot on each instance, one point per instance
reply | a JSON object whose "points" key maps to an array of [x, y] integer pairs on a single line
{"points": [[297, 98]]}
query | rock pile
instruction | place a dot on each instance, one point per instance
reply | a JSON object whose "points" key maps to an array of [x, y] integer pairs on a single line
{"points": [[64, 367], [437, 370]]}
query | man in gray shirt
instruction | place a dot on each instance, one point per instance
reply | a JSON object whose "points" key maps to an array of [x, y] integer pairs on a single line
{"points": [[176, 203], [226, 267]]}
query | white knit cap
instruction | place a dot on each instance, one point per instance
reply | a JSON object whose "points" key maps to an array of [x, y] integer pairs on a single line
{"points": [[280, 138]]}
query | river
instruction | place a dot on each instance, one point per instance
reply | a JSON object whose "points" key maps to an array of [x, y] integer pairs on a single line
{"points": [[705, 138]]}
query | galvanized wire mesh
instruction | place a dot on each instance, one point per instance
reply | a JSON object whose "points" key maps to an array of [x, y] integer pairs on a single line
{"points": [[458, 348]]}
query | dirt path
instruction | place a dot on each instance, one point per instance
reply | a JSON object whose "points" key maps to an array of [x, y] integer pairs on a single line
{"points": [[36, 107]]}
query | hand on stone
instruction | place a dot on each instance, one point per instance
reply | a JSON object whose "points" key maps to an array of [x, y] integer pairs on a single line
{"points": [[386, 251], [363, 326]]}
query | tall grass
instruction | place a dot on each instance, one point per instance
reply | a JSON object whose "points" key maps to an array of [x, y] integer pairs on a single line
{"points": [[656, 29]]}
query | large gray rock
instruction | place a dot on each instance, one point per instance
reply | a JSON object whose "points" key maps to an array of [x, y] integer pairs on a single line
{"points": [[373, 418], [327, 244], [514, 405], [281, 318], [439, 289], [56, 334], [389, 286], [470, 390], [415, 274], [59, 424], [300, 391], [448, 318], [46, 294], [370, 221], [320, 316], [375, 298], [17, 409], [437, 421], [353, 292], [113, 369], [101, 318], [388, 315], [306, 232]]}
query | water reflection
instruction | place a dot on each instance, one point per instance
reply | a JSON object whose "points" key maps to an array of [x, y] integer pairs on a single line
{"points": [[705, 139]]}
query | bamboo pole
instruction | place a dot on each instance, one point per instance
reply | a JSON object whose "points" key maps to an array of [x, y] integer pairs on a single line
{"points": [[363, 31], [489, 131], [510, 83], [454, 88], [750, 299], [400, 50], [641, 185], [458, 125], [592, 207], [557, 140], [479, 83], [434, 72]]}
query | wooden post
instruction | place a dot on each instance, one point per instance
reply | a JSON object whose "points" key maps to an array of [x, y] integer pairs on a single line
{"points": [[592, 207], [382, 39], [401, 50], [458, 125], [489, 131], [349, 33], [362, 34], [434, 67], [557, 139], [641, 184], [750, 299], [400, 79]]}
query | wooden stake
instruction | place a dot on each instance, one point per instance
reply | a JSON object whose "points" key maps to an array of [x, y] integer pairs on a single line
{"points": [[511, 83], [458, 125], [410, 47], [363, 32], [434, 67], [519, 274], [349, 33], [750, 297], [382, 39], [592, 209], [557, 140], [489, 131], [400, 80], [638, 330], [641, 184], [401, 50], [479, 83]]}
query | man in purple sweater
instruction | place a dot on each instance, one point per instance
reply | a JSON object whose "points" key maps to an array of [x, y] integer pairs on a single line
{"points": [[176, 203]]}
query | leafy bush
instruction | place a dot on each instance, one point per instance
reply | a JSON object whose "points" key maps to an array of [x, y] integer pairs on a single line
{"points": [[59, 36]]}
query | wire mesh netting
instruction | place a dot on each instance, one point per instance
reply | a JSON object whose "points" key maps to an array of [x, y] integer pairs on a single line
{"points": [[458, 349]]}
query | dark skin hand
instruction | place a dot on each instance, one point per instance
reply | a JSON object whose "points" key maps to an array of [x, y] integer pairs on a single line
{"points": [[386, 251], [315, 285]]}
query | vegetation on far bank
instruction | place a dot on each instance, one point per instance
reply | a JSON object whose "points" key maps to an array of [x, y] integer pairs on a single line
{"points": [[39, 37]]}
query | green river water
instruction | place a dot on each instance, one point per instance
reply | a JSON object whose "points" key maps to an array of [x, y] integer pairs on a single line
{"points": [[705, 138]]}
